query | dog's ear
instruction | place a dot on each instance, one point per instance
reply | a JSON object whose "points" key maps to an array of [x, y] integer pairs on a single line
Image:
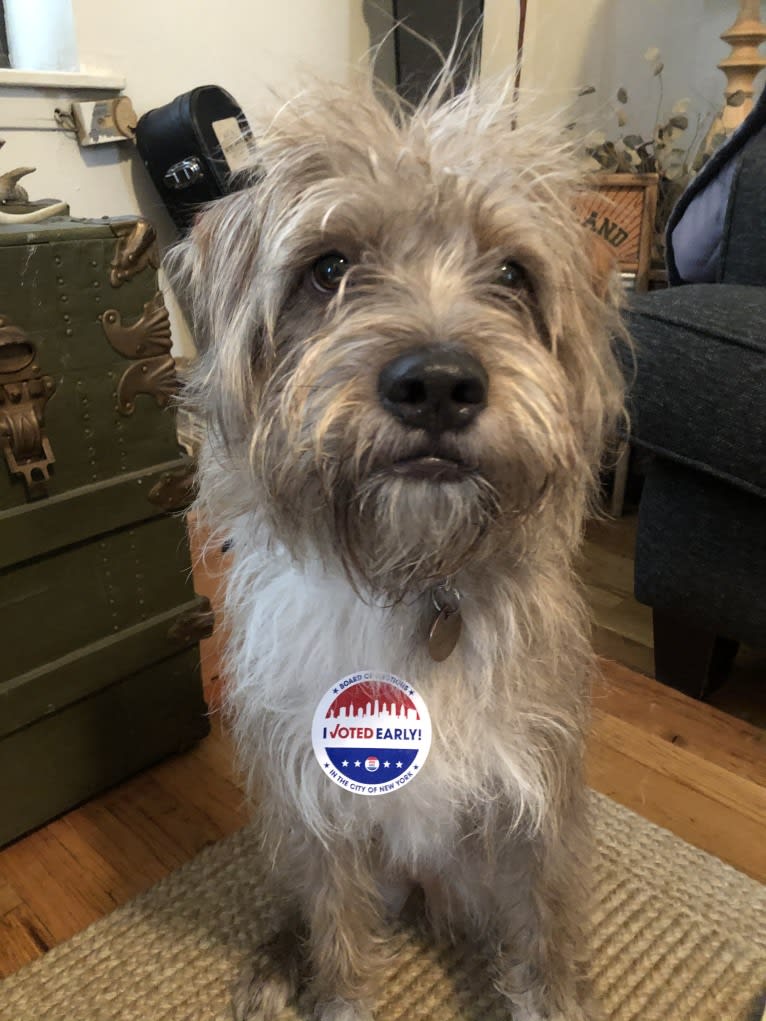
{"points": [[212, 271], [212, 268], [602, 263]]}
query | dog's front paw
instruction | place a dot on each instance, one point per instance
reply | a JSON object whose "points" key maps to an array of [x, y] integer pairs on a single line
{"points": [[259, 997], [342, 1010], [256, 997], [269, 982]]}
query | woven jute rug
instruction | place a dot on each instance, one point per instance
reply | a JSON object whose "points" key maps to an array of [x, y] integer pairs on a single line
{"points": [[676, 935]]}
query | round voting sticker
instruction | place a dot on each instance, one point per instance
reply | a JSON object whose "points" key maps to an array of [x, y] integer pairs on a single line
{"points": [[371, 733]]}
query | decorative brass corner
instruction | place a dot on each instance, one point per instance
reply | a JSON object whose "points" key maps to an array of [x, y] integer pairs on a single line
{"points": [[153, 376], [24, 392], [174, 490], [194, 626], [136, 249], [147, 342]]}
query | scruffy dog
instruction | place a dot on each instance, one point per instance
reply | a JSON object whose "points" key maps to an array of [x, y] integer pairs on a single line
{"points": [[408, 378]]}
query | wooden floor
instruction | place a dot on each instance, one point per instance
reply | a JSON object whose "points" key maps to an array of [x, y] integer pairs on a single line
{"points": [[687, 766], [623, 627]]}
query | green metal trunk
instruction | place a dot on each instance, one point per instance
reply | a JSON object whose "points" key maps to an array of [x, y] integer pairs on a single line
{"points": [[99, 666]]}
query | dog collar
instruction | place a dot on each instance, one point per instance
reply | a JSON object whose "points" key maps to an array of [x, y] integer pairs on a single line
{"points": [[444, 633]]}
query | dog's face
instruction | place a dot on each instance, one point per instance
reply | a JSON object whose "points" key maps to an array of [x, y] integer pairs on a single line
{"points": [[404, 340]]}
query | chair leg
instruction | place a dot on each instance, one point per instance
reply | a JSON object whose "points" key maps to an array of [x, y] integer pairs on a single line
{"points": [[620, 480], [724, 653], [687, 657]]}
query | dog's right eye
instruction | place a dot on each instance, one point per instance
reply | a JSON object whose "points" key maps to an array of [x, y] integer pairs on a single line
{"points": [[328, 271], [512, 276]]}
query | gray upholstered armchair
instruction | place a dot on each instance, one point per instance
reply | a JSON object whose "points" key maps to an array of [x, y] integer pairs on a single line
{"points": [[698, 404]]}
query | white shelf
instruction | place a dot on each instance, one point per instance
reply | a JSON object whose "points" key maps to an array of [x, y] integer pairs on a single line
{"points": [[66, 80]]}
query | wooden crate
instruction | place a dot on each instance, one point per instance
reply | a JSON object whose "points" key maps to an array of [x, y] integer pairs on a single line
{"points": [[621, 209]]}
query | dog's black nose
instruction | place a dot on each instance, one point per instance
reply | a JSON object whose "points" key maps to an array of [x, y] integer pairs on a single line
{"points": [[434, 388]]}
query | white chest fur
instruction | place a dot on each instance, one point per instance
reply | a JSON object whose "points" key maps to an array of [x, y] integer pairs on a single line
{"points": [[298, 630]]}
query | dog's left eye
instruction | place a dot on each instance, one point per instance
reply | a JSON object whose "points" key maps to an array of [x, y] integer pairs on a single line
{"points": [[512, 276], [328, 271]]}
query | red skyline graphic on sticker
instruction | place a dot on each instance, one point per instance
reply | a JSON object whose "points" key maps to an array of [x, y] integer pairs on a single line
{"points": [[360, 698]]}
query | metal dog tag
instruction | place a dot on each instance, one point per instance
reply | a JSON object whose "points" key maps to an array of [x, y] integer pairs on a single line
{"points": [[448, 623], [444, 634]]}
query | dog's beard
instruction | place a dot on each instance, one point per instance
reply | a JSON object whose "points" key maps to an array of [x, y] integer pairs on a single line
{"points": [[399, 535], [393, 533]]}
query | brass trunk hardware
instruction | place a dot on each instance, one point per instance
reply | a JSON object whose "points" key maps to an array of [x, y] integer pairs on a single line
{"points": [[148, 336], [136, 249], [147, 342], [24, 392], [174, 490], [194, 626], [153, 376]]}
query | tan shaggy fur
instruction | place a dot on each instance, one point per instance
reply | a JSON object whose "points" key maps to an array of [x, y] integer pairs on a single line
{"points": [[335, 550]]}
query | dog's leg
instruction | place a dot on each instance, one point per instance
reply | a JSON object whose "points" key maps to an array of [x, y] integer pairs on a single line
{"points": [[522, 896], [271, 979], [539, 967], [346, 942]]}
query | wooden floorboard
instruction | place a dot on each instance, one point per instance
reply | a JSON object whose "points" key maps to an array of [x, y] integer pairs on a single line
{"points": [[22, 939], [701, 802], [654, 709]]}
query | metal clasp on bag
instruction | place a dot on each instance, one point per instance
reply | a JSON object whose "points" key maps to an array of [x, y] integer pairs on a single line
{"points": [[24, 392], [183, 174]]}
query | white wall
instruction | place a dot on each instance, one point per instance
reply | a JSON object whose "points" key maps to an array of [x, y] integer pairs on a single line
{"points": [[500, 37], [164, 48], [571, 43]]}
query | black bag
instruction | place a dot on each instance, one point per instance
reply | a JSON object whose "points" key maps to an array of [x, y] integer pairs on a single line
{"points": [[193, 148]]}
